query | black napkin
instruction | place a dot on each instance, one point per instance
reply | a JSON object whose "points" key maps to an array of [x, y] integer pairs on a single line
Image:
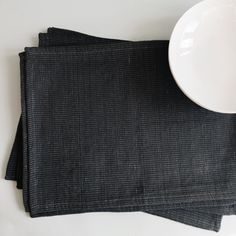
{"points": [[105, 128]]}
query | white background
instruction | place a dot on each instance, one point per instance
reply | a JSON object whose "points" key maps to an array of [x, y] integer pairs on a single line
{"points": [[20, 22]]}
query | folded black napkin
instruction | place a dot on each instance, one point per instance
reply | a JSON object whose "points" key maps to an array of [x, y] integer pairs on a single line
{"points": [[105, 128]]}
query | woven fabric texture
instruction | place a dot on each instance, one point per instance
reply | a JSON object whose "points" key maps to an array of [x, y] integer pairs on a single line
{"points": [[105, 128]]}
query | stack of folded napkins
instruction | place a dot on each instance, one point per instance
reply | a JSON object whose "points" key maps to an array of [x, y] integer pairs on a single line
{"points": [[105, 128]]}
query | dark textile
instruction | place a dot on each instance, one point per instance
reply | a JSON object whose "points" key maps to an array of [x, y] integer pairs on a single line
{"points": [[105, 128]]}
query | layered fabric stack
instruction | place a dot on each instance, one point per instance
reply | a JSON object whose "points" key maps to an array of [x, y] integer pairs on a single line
{"points": [[104, 128]]}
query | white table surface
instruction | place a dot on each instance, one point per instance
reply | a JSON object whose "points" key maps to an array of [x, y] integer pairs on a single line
{"points": [[20, 22]]}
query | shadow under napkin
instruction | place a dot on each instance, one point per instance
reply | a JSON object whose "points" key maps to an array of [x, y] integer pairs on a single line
{"points": [[105, 128]]}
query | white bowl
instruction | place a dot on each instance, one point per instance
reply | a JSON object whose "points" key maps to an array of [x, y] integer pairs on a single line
{"points": [[202, 54]]}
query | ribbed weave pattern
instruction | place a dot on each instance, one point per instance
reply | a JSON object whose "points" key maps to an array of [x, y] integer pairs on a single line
{"points": [[105, 128]]}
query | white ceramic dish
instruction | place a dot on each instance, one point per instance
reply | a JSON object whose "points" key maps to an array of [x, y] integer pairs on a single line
{"points": [[202, 54]]}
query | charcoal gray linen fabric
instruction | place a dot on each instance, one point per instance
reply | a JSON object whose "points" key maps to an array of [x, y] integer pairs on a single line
{"points": [[105, 128]]}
